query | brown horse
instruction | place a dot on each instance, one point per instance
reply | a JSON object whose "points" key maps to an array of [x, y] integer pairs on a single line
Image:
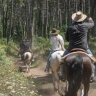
{"points": [[77, 69]]}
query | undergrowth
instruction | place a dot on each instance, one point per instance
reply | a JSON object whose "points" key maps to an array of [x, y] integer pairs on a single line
{"points": [[12, 82]]}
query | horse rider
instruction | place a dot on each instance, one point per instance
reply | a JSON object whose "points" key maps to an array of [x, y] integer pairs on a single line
{"points": [[24, 47], [76, 35], [27, 45], [57, 43]]}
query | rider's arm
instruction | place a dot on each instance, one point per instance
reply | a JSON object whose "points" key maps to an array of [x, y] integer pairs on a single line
{"points": [[90, 23]]}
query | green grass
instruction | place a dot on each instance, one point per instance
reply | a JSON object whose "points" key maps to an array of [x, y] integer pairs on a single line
{"points": [[12, 82], [92, 46]]}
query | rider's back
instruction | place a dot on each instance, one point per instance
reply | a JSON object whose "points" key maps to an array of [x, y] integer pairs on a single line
{"points": [[56, 42]]}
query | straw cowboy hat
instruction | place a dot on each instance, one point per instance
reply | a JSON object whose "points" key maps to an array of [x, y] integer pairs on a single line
{"points": [[54, 31], [78, 16]]}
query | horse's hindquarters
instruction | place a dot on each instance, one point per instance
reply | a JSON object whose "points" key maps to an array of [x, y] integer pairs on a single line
{"points": [[55, 67], [27, 60], [77, 69]]}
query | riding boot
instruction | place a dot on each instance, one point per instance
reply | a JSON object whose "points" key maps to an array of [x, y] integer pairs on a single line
{"points": [[47, 66]]}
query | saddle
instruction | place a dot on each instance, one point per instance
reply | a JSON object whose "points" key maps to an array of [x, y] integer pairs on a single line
{"points": [[79, 50]]}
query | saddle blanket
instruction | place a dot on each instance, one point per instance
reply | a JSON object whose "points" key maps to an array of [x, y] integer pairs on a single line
{"points": [[90, 56]]}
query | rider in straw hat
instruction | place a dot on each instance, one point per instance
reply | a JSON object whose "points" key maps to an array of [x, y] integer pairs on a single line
{"points": [[54, 31], [57, 43], [76, 34], [78, 16]]}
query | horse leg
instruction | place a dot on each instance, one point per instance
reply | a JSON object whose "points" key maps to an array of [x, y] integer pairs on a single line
{"points": [[57, 81], [82, 90], [28, 68], [86, 86], [29, 65], [54, 81]]}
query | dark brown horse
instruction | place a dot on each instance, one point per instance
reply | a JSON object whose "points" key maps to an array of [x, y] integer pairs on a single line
{"points": [[77, 69]]}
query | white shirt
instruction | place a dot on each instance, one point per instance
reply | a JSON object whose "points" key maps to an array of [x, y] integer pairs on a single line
{"points": [[56, 43]]}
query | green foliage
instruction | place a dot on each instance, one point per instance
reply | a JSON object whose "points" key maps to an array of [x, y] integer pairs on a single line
{"points": [[1, 28], [64, 28], [92, 45], [12, 48], [13, 83], [2, 53], [2, 49], [3, 41], [42, 43], [18, 33]]}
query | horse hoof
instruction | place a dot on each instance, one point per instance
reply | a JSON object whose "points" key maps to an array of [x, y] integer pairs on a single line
{"points": [[92, 80]]}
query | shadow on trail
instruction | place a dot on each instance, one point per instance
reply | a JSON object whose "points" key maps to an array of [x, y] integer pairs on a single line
{"points": [[44, 79], [46, 92], [45, 87]]}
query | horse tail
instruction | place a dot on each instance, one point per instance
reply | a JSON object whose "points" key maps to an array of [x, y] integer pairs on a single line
{"points": [[75, 70]]}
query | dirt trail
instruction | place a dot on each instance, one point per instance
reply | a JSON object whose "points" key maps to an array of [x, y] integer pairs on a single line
{"points": [[45, 81]]}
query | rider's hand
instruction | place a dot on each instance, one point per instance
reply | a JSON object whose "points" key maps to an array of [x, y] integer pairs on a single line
{"points": [[90, 18]]}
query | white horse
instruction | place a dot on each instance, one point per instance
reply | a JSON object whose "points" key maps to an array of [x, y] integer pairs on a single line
{"points": [[27, 59], [55, 61]]}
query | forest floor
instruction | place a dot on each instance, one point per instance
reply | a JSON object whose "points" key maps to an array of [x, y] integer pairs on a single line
{"points": [[44, 81]]}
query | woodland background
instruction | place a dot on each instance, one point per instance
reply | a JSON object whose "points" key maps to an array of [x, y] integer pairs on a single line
{"points": [[26, 19], [33, 20]]}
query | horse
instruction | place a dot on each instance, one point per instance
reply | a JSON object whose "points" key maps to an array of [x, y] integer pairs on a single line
{"points": [[27, 60], [55, 61], [77, 71]]}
